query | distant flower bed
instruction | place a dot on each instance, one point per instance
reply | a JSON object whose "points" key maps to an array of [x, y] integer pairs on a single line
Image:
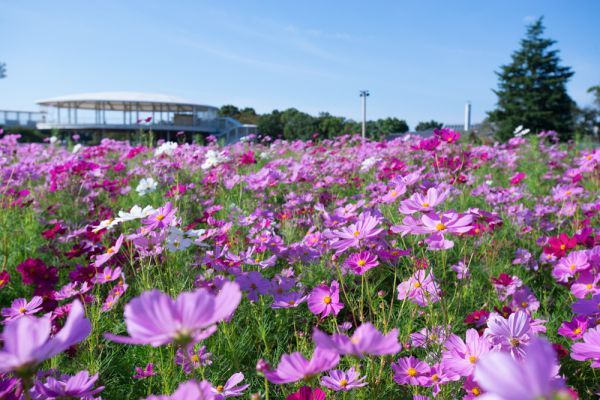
{"points": [[413, 268]]}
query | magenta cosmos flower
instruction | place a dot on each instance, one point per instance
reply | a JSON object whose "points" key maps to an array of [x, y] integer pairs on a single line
{"points": [[307, 393], [161, 218], [534, 377], [461, 357], [21, 307], [574, 329], [231, 388], [422, 203], [325, 300], [589, 349], [361, 262], [294, 367], [366, 340], [411, 371], [339, 380], [354, 235], [156, 319], [27, 340]]}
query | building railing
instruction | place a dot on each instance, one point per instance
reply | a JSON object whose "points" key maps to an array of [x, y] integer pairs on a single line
{"points": [[14, 118]]}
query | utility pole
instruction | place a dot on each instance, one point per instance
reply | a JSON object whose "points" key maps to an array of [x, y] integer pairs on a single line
{"points": [[364, 94], [467, 116]]}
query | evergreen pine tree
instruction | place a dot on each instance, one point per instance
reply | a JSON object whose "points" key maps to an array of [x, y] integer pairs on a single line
{"points": [[532, 89]]}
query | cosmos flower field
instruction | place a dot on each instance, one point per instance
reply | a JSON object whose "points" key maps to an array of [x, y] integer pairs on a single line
{"points": [[335, 269]]}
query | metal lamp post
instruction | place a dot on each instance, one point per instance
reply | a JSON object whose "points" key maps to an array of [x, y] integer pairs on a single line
{"points": [[364, 94]]}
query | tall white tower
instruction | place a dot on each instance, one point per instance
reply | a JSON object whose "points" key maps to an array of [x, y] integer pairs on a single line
{"points": [[467, 116]]}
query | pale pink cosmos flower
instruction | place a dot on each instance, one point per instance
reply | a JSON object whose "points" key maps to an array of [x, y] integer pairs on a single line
{"points": [[366, 340], [393, 194], [511, 334], [295, 367], [411, 371], [107, 275], [570, 265], [420, 288], [422, 203], [110, 253], [21, 307], [231, 388], [586, 283], [460, 356], [156, 319], [589, 349], [339, 380], [355, 235], [361, 262]]}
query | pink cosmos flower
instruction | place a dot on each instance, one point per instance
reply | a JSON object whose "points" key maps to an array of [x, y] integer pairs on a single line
{"points": [[288, 300], [524, 299], [254, 284], [439, 375], [361, 262], [574, 329], [230, 389], [107, 275], [294, 367], [307, 393], [393, 194], [511, 334], [461, 357], [586, 283], [339, 380], [325, 300], [534, 377], [21, 307], [161, 218], [410, 371], [110, 253], [156, 319], [191, 359], [422, 203], [569, 265], [143, 373], [354, 235], [587, 307], [420, 288], [517, 178], [589, 349], [189, 390], [366, 340], [461, 269], [27, 340], [79, 386]]}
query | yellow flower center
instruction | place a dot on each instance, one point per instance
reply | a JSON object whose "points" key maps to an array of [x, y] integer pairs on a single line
{"points": [[343, 383], [562, 247], [22, 310], [291, 302], [412, 372], [327, 300], [568, 192], [110, 250], [572, 267], [476, 391], [515, 342], [356, 233], [425, 204], [435, 377], [417, 285], [361, 263], [589, 156], [524, 304], [440, 227], [472, 359], [195, 358], [160, 217], [394, 193], [589, 286], [107, 277], [577, 331], [220, 388]]}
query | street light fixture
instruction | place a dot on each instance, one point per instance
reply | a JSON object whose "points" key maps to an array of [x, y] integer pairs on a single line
{"points": [[364, 94]]}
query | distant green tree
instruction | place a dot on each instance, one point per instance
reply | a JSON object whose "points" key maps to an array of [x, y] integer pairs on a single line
{"points": [[2, 70], [392, 125], [247, 116], [229, 110], [329, 126], [532, 89], [587, 119], [270, 124], [426, 125]]}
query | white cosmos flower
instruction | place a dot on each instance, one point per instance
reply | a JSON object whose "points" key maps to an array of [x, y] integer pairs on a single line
{"points": [[106, 224], [136, 212], [214, 158], [368, 163], [146, 185], [76, 148], [166, 148], [176, 240], [519, 132]]}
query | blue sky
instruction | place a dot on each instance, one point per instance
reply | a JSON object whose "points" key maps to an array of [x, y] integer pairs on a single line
{"points": [[420, 59]]}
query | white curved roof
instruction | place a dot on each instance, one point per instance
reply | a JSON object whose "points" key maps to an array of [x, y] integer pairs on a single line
{"points": [[120, 101]]}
